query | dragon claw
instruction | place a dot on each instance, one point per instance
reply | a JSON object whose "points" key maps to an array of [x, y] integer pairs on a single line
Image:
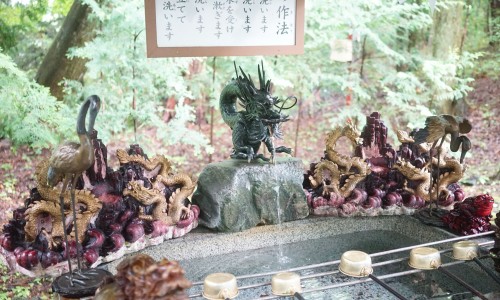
{"points": [[261, 156], [283, 149], [185, 211]]}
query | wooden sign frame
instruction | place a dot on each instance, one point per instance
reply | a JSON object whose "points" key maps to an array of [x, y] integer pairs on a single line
{"points": [[153, 50]]}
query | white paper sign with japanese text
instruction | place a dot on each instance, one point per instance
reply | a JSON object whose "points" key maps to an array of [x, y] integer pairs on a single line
{"points": [[224, 27]]}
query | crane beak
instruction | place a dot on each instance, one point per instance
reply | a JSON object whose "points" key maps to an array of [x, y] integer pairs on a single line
{"points": [[95, 105]]}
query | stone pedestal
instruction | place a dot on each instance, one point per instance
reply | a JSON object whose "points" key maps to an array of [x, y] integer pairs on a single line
{"points": [[235, 195]]}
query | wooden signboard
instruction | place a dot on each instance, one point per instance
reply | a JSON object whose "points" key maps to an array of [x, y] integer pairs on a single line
{"points": [[224, 27], [341, 50]]}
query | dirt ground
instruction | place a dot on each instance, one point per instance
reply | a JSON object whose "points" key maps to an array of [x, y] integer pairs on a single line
{"points": [[483, 175]]}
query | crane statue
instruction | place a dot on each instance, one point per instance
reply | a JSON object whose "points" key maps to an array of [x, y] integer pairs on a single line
{"points": [[69, 161], [436, 129]]}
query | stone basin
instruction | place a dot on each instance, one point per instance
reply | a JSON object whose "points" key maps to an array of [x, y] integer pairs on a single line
{"points": [[271, 248]]}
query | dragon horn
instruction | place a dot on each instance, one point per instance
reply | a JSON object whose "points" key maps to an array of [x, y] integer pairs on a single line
{"points": [[243, 73], [267, 85], [235, 69], [249, 79], [262, 76]]}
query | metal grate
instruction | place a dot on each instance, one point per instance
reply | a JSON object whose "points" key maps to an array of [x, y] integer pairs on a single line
{"points": [[266, 282]]}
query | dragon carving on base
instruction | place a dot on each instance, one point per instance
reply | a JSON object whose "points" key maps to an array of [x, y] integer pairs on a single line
{"points": [[451, 172], [414, 174], [117, 212], [259, 122], [169, 212], [380, 179], [46, 213], [350, 170], [450, 168]]}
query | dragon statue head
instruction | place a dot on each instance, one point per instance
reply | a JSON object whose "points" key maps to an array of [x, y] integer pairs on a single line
{"points": [[259, 103]]}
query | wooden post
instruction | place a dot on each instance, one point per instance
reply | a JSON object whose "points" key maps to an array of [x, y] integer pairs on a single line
{"points": [[212, 112]]}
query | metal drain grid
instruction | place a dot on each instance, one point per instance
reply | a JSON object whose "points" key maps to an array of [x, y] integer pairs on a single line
{"points": [[197, 286]]}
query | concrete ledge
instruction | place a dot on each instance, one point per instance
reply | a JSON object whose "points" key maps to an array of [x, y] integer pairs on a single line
{"points": [[202, 242]]}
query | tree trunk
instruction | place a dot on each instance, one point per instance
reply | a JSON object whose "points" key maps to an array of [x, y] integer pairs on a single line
{"points": [[297, 129], [446, 32], [212, 109], [75, 31], [494, 11], [464, 32]]}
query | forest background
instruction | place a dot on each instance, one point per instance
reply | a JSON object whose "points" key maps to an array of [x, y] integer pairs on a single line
{"points": [[411, 59]]}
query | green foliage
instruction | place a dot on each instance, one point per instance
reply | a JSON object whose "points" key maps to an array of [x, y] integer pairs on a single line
{"points": [[443, 77], [21, 292], [16, 20], [28, 27], [60, 7], [488, 65], [175, 132], [14, 285], [495, 30], [398, 79], [477, 35], [425, 91], [29, 114], [131, 86], [9, 292], [483, 34], [391, 72]]}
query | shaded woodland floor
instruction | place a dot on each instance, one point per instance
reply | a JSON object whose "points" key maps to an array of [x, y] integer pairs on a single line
{"points": [[483, 174]]}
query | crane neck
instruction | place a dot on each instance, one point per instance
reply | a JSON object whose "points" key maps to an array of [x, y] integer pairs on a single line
{"points": [[455, 141], [94, 109], [82, 115]]}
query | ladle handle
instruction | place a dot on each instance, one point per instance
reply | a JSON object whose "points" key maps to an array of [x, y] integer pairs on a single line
{"points": [[463, 283], [486, 269], [298, 296], [385, 286]]}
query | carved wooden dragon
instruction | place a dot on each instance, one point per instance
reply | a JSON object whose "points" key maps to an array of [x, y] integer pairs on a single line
{"points": [[343, 161], [46, 213], [158, 165], [169, 212], [43, 214], [454, 171], [333, 186], [415, 174], [340, 165]]}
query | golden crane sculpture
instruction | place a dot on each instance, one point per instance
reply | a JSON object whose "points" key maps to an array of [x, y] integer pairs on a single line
{"points": [[436, 129], [69, 161]]}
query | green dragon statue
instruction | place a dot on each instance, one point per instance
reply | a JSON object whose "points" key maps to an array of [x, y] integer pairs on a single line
{"points": [[260, 120]]}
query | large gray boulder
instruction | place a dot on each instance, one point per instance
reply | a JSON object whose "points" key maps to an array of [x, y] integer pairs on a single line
{"points": [[235, 195]]}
